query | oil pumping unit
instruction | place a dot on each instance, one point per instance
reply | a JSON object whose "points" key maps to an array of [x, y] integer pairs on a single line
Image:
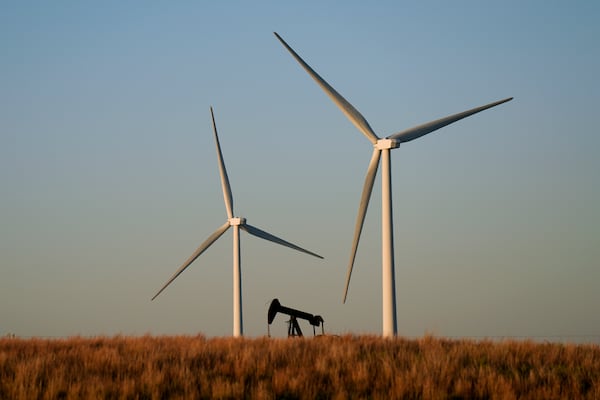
{"points": [[293, 327]]}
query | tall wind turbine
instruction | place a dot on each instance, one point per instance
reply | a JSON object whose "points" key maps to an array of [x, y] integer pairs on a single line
{"points": [[382, 147], [237, 223]]}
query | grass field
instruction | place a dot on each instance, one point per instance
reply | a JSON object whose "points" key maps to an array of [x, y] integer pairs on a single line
{"points": [[324, 367]]}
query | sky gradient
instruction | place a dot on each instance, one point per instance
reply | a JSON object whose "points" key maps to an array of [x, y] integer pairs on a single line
{"points": [[109, 176]]}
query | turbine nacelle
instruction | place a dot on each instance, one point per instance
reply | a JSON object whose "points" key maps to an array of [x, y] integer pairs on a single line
{"points": [[386, 144], [235, 221]]}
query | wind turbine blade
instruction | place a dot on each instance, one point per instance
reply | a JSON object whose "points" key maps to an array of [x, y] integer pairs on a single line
{"points": [[362, 212], [205, 245], [424, 129], [348, 109], [227, 196], [267, 236]]}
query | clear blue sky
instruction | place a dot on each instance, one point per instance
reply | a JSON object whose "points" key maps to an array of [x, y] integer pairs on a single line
{"points": [[109, 180]]}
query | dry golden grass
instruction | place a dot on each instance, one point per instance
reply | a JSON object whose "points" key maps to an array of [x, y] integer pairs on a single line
{"points": [[324, 367]]}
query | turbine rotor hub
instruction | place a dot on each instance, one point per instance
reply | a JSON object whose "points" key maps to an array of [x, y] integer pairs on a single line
{"points": [[386, 144], [235, 221]]}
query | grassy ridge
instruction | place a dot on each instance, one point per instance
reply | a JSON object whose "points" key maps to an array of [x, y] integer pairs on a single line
{"points": [[326, 367]]}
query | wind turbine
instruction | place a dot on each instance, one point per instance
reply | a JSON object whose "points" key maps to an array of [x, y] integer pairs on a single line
{"points": [[237, 223], [382, 147]]}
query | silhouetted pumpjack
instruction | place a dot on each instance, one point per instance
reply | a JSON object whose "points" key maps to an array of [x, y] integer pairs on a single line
{"points": [[293, 327]]}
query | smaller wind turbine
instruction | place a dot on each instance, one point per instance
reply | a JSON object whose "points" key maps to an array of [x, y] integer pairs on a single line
{"points": [[381, 150], [237, 223]]}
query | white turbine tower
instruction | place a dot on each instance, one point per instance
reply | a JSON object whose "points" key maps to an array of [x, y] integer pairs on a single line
{"points": [[237, 223], [381, 150]]}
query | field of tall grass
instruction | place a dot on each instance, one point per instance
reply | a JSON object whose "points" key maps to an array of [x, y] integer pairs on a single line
{"points": [[324, 367]]}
